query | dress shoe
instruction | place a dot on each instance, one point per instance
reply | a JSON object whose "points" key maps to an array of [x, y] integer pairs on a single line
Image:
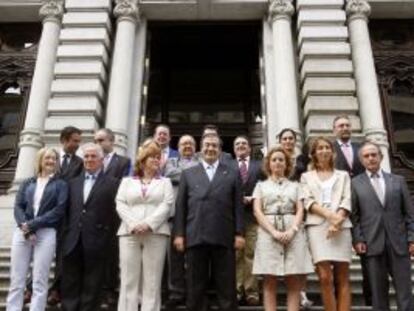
{"points": [[305, 303], [27, 296], [252, 301], [54, 298]]}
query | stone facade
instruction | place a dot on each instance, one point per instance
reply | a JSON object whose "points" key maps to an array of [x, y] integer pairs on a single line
{"points": [[317, 63]]}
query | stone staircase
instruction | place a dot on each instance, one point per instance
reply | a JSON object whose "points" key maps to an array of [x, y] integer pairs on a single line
{"points": [[312, 284]]}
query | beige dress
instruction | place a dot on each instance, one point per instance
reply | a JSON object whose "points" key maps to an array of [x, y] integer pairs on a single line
{"points": [[271, 257]]}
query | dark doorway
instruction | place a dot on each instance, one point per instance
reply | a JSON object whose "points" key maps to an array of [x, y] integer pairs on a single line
{"points": [[202, 74]]}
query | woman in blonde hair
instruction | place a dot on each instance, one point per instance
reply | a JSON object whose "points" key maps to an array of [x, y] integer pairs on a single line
{"points": [[326, 194], [143, 202], [281, 247], [39, 207]]}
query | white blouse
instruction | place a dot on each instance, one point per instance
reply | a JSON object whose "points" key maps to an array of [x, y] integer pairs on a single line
{"points": [[41, 183]]}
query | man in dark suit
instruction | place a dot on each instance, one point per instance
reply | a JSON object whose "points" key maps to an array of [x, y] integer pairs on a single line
{"points": [[90, 228], [346, 150], [116, 166], [250, 172], [383, 229], [211, 129], [347, 159], [209, 227], [71, 166]]}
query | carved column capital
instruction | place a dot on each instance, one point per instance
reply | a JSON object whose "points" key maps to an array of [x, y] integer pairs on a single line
{"points": [[358, 9], [378, 136], [31, 138], [51, 10], [280, 9], [127, 9]]}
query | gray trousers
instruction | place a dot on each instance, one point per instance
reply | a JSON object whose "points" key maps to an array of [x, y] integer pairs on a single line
{"points": [[22, 251], [399, 268]]}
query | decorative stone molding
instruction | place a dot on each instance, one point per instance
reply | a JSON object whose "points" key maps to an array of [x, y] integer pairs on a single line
{"points": [[51, 9], [30, 138], [377, 136], [121, 140], [127, 9], [280, 9], [358, 9]]}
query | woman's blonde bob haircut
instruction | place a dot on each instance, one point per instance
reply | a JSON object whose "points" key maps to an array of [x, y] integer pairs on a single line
{"points": [[39, 159], [266, 162], [150, 148], [314, 164]]}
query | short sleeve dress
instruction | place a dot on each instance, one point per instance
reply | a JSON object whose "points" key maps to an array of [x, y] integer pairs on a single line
{"points": [[279, 206]]}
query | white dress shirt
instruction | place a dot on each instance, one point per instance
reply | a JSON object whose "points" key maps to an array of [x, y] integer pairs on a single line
{"points": [[381, 182], [210, 168], [41, 183]]}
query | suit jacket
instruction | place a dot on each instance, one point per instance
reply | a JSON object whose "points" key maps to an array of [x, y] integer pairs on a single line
{"points": [[373, 222], [73, 170], [209, 213], [254, 175], [153, 209], [301, 166], [52, 204], [93, 221], [342, 164], [118, 167], [312, 192]]}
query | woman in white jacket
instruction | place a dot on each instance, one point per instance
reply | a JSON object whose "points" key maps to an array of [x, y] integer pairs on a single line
{"points": [[143, 202]]}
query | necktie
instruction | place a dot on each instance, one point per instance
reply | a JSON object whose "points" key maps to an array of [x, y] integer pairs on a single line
{"points": [[210, 172], [243, 170], [87, 187], [377, 187], [347, 154], [65, 162]]}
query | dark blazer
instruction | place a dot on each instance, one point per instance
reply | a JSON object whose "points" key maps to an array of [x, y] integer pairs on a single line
{"points": [[342, 164], [301, 166], [254, 174], [92, 221], [372, 221], [73, 170], [52, 205], [209, 213], [118, 167]]}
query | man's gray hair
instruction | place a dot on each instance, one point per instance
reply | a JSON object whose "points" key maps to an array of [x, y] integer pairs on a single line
{"points": [[96, 147]]}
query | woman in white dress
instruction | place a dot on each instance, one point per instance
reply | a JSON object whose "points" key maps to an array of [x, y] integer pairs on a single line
{"points": [[326, 194], [144, 203], [281, 247]]}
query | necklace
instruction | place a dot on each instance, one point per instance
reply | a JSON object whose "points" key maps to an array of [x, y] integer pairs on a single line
{"points": [[144, 186]]}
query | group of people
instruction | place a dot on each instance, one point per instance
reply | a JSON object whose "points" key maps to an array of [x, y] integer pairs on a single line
{"points": [[230, 222]]}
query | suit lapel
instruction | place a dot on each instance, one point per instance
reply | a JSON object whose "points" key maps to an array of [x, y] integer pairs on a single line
{"points": [[112, 164], [388, 188], [341, 155], [220, 172]]}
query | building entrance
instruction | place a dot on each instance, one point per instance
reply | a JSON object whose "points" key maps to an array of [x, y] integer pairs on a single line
{"points": [[204, 74]]}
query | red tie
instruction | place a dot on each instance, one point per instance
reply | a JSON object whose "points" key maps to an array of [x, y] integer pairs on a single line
{"points": [[243, 170]]}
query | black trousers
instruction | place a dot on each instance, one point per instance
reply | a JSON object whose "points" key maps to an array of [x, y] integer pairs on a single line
{"points": [[366, 287], [176, 271], [399, 268], [111, 282], [221, 262], [82, 277]]}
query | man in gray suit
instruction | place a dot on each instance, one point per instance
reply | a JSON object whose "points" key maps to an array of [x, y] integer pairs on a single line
{"points": [[173, 170], [209, 227], [383, 220]]}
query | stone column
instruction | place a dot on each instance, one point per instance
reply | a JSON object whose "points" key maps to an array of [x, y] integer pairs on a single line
{"points": [[117, 113], [284, 111], [366, 77], [51, 12]]}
